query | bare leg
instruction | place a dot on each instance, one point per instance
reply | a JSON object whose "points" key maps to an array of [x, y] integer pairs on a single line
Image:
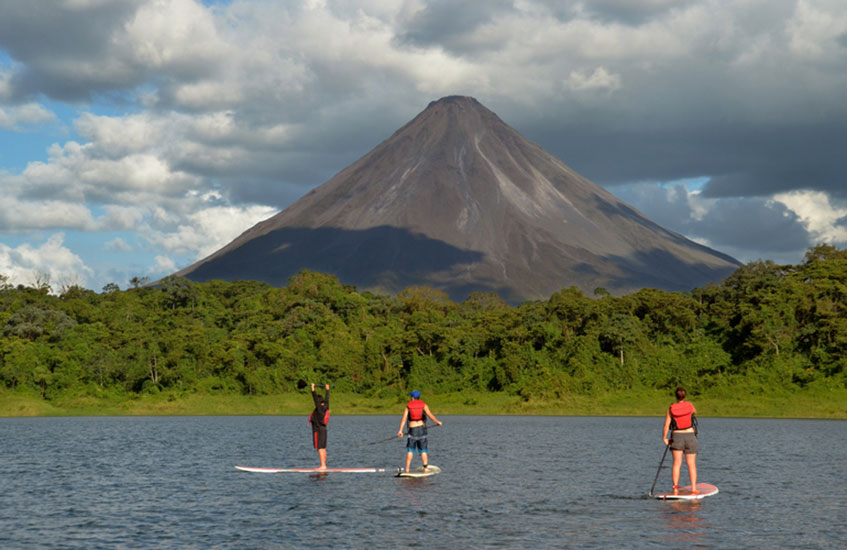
{"points": [[425, 459], [408, 460], [691, 462], [322, 455], [677, 466]]}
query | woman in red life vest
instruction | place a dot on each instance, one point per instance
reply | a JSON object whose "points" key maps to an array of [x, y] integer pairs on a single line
{"points": [[680, 418], [416, 413], [319, 419]]}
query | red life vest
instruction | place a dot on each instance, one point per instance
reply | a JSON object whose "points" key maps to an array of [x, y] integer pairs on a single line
{"points": [[416, 409], [325, 418], [681, 414]]}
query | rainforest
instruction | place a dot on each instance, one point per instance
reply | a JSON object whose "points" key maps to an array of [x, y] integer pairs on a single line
{"points": [[770, 340]]}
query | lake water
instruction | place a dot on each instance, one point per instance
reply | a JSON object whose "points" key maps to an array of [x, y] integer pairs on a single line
{"points": [[508, 482]]}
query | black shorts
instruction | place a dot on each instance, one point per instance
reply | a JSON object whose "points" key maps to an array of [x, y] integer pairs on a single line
{"points": [[417, 440], [319, 437]]}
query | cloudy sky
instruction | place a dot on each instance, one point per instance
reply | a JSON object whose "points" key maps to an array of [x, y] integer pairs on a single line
{"points": [[138, 136]]}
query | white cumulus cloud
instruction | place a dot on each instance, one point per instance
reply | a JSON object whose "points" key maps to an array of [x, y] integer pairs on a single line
{"points": [[18, 118], [163, 264], [600, 79], [208, 230], [824, 220], [25, 264]]}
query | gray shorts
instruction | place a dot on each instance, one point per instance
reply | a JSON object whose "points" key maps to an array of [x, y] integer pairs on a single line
{"points": [[685, 442]]}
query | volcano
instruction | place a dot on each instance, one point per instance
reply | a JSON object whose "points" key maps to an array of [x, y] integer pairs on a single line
{"points": [[459, 201]]}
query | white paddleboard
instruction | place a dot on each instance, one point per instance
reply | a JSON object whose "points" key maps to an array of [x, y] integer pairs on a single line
{"points": [[419, 472], [309, 470], [685, 493]]}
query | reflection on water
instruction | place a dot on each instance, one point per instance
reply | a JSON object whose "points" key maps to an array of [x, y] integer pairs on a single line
{"points": [[685, 528]]}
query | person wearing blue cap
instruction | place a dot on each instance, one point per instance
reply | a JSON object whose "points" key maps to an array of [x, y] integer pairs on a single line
{"points": [[416, 413]]}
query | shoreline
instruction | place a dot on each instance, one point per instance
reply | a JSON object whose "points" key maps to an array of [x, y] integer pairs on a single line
{"points": [[819, 404]]}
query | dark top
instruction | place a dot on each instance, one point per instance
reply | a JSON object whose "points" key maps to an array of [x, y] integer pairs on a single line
{"points": [[319, 414]]}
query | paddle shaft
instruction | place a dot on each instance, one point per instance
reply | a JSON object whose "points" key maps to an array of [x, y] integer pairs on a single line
{"points": [[668, 446], [302, 384], [383, 440]]}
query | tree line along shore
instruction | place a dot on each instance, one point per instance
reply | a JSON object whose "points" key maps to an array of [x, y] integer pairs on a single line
{"points": [[770, 340]]}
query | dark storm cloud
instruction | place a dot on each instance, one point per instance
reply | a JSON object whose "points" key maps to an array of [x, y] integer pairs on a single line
{"points": [[625, 12], [757, 105], [49, 28], [60, 47], [780, 159], [752, 224], [743, 158], [633, 13], [449, 24], [751, 227], [77, 51]]}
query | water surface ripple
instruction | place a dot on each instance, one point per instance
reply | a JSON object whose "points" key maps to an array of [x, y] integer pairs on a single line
{"points": [[508, 482]]}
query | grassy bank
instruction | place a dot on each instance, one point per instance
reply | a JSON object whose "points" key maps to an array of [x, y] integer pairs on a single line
{"points": [[819, 403]]}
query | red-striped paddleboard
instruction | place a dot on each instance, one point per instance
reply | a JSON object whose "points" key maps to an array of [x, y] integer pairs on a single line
{"points": [[308, 470], [684, 493]]}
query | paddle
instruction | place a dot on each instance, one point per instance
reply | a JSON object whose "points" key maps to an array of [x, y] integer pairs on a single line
{"points": [[302, 384], [668, 446]]}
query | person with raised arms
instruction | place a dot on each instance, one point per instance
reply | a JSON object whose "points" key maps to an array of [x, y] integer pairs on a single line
{"points": [[683, 440], [416, 413], [319, 419]]}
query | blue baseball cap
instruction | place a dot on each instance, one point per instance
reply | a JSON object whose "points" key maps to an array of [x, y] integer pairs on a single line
{"points": [[415, 393]]}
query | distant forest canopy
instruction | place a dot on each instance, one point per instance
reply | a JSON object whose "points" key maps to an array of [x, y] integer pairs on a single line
{"points": [[767, 326]]}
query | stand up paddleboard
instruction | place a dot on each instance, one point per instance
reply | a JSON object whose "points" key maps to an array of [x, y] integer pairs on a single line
{"points": [[684, 493], [418, 472], [309, 470]]}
